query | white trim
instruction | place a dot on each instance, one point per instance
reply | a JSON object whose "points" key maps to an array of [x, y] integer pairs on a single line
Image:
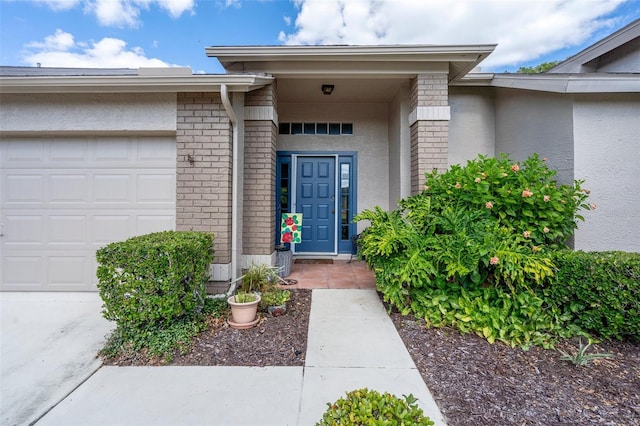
{"points": [[577, 83], [431, 113], [261, 113]]}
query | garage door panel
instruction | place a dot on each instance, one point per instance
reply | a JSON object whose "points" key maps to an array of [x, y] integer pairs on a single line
{"points": [[155, 188], [110, 228], [22, 269], [22, 230], [68, 152], [156, 223], [67, 229], [67, 270], [68, 188], [23, 188], [112, 188], [64, 198]]}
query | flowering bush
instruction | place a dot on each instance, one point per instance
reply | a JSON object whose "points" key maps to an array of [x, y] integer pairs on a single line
{"points": [[488, 224]]}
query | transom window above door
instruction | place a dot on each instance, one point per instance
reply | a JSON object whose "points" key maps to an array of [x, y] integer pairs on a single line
{"points": [[330, 129]]}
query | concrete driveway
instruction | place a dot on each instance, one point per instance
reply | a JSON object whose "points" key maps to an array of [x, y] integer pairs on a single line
{"points": [[48, 347]]}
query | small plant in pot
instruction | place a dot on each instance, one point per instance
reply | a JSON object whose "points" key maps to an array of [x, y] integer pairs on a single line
{"points": [[244, 309], [275, 301]]}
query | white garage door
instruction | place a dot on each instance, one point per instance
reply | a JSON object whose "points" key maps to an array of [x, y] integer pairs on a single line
{"points": [[63, 198]]}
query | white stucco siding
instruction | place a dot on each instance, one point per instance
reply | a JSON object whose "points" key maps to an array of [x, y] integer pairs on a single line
{"points": [[534, 122], [607, 157], [472, 124], [131, 112], [369, 140]]}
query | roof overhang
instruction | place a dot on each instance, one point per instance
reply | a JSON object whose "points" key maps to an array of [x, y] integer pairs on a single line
{"points": [[351, 61], [131, 83], [570, 83]]}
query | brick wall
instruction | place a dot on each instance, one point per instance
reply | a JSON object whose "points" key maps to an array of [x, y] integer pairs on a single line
{"points": [[429, 138], [259, 177], [203, 194]]}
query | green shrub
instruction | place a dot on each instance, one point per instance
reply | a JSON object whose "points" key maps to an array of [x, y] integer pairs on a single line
{"points": [[368, 407], [479, 228], [151, 280], [599, 290]]}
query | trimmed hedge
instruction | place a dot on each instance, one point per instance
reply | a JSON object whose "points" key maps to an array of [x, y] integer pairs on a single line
{"points": [[599, 290], [153, 279]]}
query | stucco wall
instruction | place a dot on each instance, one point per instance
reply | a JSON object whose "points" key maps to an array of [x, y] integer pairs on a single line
{"points": [[399, 148], [145, 112], [528, 122], [472, 125], [625, 58], [369, 139], [607, 157]]}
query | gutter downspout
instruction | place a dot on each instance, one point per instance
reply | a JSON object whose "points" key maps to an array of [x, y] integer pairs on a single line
{"points": [[224, 95]]}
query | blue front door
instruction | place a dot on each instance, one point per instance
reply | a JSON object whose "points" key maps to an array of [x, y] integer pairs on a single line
{"points": [[315, 199]]}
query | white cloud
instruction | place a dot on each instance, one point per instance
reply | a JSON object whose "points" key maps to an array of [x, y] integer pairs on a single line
{"points": [[523, 29], [122, 13], [287, 20], [61, 50]]}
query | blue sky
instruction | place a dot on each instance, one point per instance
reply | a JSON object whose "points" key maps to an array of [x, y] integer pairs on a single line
{"points": [[136, 33]]}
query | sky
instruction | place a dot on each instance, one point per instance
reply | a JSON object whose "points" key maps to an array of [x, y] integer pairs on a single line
{"points": [[160, 33]]}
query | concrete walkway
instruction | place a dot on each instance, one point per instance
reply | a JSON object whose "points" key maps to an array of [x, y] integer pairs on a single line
{"points": [[352, 344]]}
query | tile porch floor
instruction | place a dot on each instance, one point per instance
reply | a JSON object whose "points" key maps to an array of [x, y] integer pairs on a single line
{"points": [[340, 274]]}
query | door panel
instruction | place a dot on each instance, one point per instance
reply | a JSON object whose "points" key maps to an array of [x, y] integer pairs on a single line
{"points": [[315, 199]]}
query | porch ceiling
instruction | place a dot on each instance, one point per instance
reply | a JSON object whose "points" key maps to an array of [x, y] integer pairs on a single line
{"points": [[296, 90]]}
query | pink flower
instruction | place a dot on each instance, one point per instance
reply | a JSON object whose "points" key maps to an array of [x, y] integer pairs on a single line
{"points": [[426, 187], [592, 206], [526, 193], [458, 186], [535, 248], [545, 159], [545, 230], [484, 175], [488, 204], [515, 167], [494, 260], [546, 198], [478, 180], [526, 234]]}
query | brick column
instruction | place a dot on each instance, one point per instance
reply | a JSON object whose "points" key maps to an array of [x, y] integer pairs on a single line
{"points": [[429, 125], [203, 193], [260, 135]]}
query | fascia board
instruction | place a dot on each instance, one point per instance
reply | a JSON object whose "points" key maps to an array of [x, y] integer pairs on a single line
{"points": [[581, 83], [132, 84], [607, 44]]}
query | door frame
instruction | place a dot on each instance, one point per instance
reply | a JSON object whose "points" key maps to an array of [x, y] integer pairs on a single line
{"points": [[341, 157]]}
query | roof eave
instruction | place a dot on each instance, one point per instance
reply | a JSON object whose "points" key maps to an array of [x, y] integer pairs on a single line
{"points": [[132, 84], [570, 83]]}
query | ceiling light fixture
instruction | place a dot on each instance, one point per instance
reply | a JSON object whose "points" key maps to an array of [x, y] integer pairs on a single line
{"points": [[327, 89]]}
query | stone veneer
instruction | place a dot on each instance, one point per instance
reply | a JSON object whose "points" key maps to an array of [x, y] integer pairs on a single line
{"points": [[203, 193], [429, 137], [259, 172]]}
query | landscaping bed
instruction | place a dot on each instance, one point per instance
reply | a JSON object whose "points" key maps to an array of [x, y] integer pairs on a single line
{"points": [[274, 341], [478, 383]]}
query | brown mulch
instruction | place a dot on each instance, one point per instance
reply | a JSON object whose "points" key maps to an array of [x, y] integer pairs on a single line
{"points": [[473, 382], [274, 341], [477, 383]]}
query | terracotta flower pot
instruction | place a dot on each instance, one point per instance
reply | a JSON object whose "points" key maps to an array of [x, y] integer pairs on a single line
{"points": [[244, 313]]}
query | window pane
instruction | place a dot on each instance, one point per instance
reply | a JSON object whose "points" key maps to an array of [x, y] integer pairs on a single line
{"points": [[309, 128], [322, 128], [284, 128], [296, 128], [347, 128], [334, 128]]}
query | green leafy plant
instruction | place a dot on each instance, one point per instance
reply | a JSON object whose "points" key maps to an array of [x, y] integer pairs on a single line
{"points": [[154, 279], [474, 231], [599, 291], [245, 298], [259, 278], [275, 297], [581, 357], [369, 407]]}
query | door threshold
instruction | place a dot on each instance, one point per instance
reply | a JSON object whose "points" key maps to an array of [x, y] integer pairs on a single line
{"points": [[341, 256]]}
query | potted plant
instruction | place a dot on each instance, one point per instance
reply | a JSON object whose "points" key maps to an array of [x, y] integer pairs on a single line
{"points": [[259, 278], [244, 309], [275, 301]]}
